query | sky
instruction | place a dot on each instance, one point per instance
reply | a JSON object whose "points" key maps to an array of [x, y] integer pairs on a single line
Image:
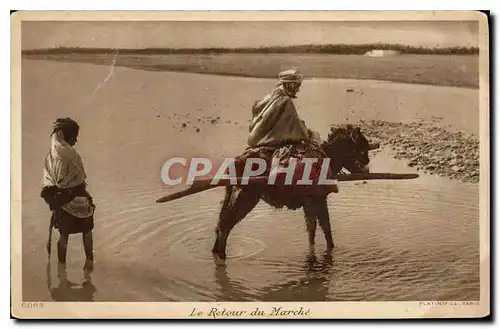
{"points": [[163, 34]]}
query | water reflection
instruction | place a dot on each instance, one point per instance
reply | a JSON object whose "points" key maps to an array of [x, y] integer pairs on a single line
{"points": [[68, 291], [312, 286]]}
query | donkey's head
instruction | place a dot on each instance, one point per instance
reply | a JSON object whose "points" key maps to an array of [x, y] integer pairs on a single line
{"points": [[347, 147]]}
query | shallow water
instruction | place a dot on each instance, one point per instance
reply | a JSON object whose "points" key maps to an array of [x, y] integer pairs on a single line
{"points": [[395, 240]]}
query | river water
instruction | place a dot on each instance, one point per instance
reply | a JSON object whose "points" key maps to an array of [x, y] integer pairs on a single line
{"points": [[395, 240]]}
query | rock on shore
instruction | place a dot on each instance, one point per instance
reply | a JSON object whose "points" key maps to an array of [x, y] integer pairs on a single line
{"points": [[429, 148]]}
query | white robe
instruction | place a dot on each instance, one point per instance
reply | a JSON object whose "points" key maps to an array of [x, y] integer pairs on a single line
{"points": [[64, 169], [276, 120]]}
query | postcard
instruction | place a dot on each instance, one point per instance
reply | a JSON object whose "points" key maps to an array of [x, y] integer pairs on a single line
{"points": [[250, 165]]}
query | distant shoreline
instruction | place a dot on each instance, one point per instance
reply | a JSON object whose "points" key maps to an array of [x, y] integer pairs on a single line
{"points": [[341, 49], [443, 70]]}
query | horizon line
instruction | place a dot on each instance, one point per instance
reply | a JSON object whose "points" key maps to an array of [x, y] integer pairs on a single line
{"points": [[301, 48]]}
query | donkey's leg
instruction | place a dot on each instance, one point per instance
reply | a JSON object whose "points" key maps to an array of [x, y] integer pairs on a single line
{"points": [[229, 197], [235, 208], [324, 222], [311, 220]]}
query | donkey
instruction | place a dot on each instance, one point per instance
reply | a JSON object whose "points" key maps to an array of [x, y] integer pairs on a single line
{"points": [[346, 147]]}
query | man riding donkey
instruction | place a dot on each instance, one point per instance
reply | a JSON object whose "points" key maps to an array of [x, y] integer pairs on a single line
{"points": [[279, 137], [64, 190], [276, 129]]}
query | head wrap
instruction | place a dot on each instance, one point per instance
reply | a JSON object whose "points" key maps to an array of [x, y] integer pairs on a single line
{"points": [[68, 126], [292, 75]]}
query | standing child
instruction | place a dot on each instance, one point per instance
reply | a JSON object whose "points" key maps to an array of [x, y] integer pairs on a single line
{"points": [[64, 190]]}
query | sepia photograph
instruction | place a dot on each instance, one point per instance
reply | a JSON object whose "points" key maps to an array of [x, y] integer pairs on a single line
{"points": [[250, 165]]}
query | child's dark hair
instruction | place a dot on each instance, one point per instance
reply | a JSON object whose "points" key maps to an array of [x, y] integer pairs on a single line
{"points": [[68, 126]]}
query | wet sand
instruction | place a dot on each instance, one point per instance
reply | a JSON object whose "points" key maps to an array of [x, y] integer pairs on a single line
{"points": [[403, 240]]}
